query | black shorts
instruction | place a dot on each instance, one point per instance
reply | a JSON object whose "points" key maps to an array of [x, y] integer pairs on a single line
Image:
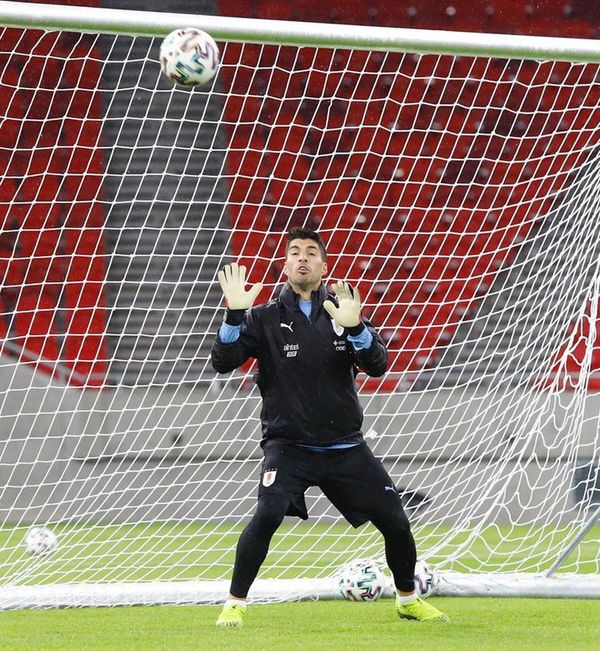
{"points": [[353, 480]]}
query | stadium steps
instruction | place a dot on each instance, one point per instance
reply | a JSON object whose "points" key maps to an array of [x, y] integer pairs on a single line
{"points": [[161, 306]]}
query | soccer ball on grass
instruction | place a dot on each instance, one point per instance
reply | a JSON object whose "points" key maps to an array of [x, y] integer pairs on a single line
{"points": [[40, 540], [425, 578], [189, 57], [361, 580]]}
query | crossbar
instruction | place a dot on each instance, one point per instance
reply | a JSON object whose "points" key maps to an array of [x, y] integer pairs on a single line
{"points": [[279, 32]]}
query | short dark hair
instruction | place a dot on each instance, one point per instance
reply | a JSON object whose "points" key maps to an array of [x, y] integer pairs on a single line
{"points": [[306, 234]]}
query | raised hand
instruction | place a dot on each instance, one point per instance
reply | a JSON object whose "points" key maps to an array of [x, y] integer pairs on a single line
{"points": [[232, 279], [347, 315]]}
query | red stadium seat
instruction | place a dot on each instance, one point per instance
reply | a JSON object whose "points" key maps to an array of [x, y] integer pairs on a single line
{"points": [[85, 349], [275, 10], [84, 133], [35, 327]]}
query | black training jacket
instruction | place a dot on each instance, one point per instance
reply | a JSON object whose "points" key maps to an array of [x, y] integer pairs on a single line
{"points": [[306, 369]]}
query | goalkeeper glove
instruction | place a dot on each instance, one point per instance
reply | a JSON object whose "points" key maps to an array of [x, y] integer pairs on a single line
{"points": [[347, 315], [232, 279]]}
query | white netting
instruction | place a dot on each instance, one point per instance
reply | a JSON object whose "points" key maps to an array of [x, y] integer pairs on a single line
{"points": [[459, 194]]}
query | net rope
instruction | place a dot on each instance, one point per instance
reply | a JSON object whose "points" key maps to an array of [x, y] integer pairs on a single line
{"points": [[459, 194]]}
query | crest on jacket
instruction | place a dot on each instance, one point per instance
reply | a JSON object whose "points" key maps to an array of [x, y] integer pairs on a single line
{"points": [[268, 477], [338, 329]]}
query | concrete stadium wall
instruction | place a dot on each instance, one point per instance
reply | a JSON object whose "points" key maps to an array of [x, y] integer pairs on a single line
{"points": [[189, 453]]}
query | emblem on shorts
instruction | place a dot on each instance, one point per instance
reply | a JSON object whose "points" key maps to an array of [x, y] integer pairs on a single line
{"points": [[339, 331], [268, 477]]}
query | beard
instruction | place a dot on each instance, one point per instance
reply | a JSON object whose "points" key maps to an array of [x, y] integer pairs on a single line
{"points": [[305, 282]]}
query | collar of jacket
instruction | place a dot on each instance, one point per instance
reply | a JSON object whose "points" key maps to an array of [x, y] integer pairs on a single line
{"points": [[288, 297]]}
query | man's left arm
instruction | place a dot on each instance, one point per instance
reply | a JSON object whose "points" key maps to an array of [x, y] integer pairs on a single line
{"points": [[369, 349]]}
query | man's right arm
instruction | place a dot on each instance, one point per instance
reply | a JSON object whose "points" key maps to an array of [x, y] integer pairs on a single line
{"points": [[234, 344], [239, 335]]}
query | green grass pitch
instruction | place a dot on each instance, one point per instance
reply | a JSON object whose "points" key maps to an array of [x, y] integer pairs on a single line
{"points": [[501, 624], [97, 553], [190, 551]]}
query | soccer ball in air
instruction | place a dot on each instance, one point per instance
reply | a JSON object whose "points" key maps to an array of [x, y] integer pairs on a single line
{"points": [[425, 578], [361, 580], [189, 57], [40, 540]]}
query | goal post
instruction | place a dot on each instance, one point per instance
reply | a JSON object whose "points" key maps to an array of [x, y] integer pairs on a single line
{"points": [[280, 32], [455, 177]]}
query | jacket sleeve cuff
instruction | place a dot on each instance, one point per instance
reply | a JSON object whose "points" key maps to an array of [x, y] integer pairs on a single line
{"points": [[234, 317], [356, 330]]}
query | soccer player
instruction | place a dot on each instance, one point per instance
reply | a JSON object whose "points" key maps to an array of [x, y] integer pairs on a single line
{"points": [[309, 345]]}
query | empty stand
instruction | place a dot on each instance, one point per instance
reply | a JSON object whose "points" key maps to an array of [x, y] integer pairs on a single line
{"points": [[459, 155], [46, 147]]}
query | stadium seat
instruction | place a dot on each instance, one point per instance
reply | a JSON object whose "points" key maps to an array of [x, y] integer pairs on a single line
{"points": [[5, 318], [85, 349], [243, 108], [47, 161], [82, 68], [35, 327], [275, 9], [40, 190], [83, 133], [243, 8]]}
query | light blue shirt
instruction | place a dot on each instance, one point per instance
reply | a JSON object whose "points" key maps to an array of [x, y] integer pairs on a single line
{"points": [[229, 334], [362, 340], [306, 307], [326, 448]]}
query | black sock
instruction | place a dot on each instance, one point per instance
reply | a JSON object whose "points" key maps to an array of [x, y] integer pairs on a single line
{"points": [[400, 549], [253, 544]]}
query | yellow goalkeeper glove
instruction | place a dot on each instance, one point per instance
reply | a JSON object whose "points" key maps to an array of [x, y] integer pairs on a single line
{"points": [[347, 315], [232, 279]]}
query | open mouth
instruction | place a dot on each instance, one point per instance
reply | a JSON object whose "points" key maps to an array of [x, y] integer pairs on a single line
{"points": [[302, 269]]}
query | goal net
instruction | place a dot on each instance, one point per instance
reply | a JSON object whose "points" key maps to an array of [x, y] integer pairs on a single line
{"points": [[459, 192]]}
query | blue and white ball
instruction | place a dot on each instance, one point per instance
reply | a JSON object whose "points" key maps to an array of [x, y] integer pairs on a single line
{"points": [[362, 580], [189, 57]]}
